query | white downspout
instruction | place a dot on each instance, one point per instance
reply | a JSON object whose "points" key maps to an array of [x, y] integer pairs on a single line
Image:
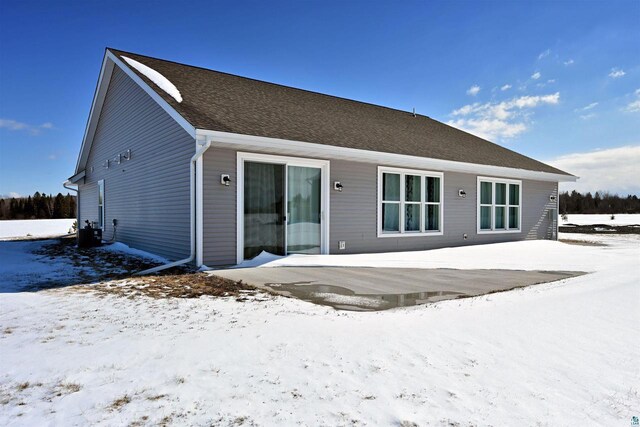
{"points": [[192, 191], [77, 212]]}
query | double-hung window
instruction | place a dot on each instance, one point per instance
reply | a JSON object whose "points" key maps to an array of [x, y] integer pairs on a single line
{"points": [[101, 204], [409, 202], [499, 208]]}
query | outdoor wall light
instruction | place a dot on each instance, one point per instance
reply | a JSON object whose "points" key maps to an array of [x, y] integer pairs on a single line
{"points": [[225, 179], [337, 186], [552, 198], [462, 193]]}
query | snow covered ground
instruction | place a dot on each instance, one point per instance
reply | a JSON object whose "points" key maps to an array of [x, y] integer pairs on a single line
{"points": [[527, 255], [21, 228], [620, 219], [562, 353]]}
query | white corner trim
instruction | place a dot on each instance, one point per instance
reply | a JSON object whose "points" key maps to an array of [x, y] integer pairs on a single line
{"points": [[557, 220], [325, 211], [308, 149]]}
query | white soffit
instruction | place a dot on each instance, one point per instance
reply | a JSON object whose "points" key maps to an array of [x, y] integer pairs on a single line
{"points": [[297, 148]]}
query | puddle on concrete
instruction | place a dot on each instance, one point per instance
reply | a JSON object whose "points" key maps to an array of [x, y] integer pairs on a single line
{"points": [[372, 289], [345, 299]]}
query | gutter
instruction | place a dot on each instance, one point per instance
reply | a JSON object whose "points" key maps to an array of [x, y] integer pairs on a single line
{"points": [[66, 185], [287, 147], [192, 191]]}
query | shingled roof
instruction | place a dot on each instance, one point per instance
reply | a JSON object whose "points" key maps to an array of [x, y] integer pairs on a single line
{"points": [[218, 101]]}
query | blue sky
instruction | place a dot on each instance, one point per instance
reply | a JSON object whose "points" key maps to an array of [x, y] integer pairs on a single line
{"points": [[558, 81]]}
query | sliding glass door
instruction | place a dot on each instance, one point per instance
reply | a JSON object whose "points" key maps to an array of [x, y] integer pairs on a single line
{"points": [[303, 210], [282, 209], [263, 209]]}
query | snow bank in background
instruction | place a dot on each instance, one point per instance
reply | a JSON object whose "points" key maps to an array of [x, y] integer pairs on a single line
{"points": [[522, 255], [17, 228], [583, 219], [122, 248], [160, 80]]}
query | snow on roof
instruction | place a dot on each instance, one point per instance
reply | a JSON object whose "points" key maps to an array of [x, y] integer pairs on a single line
{"points": [[161, 81]]}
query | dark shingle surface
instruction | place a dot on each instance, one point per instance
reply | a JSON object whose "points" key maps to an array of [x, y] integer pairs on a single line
{"points": [[223, 102]]}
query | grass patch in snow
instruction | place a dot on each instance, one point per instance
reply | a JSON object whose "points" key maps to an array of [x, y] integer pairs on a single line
{"points": [[117, 404], [101, 261], [157, 397], [192, 285], [67, 388], [23, 386], [36, 266]]}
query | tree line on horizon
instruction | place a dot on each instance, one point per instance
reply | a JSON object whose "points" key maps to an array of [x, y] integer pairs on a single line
{"points": [[598, 203], [43, 206], [38, 206]]}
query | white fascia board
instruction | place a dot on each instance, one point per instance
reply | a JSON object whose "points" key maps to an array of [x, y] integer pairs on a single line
{"points": [[154, 95], [96, 107], [109, 61], [308, 149], [77, 177]]}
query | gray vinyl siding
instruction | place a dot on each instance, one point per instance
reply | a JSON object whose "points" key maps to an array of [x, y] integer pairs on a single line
{"points": [[353, 212], [149, 194], [219, 208], [87, 203]]}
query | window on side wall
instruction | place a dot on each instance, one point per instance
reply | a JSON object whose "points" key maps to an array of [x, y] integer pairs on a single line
{"points": [[499, 205], [409, 202], [101, 204]]}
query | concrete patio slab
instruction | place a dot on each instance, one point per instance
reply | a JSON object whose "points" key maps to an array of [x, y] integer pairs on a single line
{"points": [[358, 288]]}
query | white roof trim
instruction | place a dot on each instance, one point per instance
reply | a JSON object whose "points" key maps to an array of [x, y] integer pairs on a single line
{"points": [[77, 177], [109, 61], [96, 107], [302, 149]]}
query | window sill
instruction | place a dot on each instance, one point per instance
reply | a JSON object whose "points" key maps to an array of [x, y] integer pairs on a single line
{"points": [[409, 234]]}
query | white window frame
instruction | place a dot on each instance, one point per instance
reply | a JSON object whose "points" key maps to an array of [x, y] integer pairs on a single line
{"points": [[101, 206], [423, 202], [493, 205], [323, 165]]}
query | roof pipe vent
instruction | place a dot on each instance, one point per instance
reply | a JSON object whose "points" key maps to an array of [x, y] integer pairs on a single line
{"points": [[414, 111]]}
